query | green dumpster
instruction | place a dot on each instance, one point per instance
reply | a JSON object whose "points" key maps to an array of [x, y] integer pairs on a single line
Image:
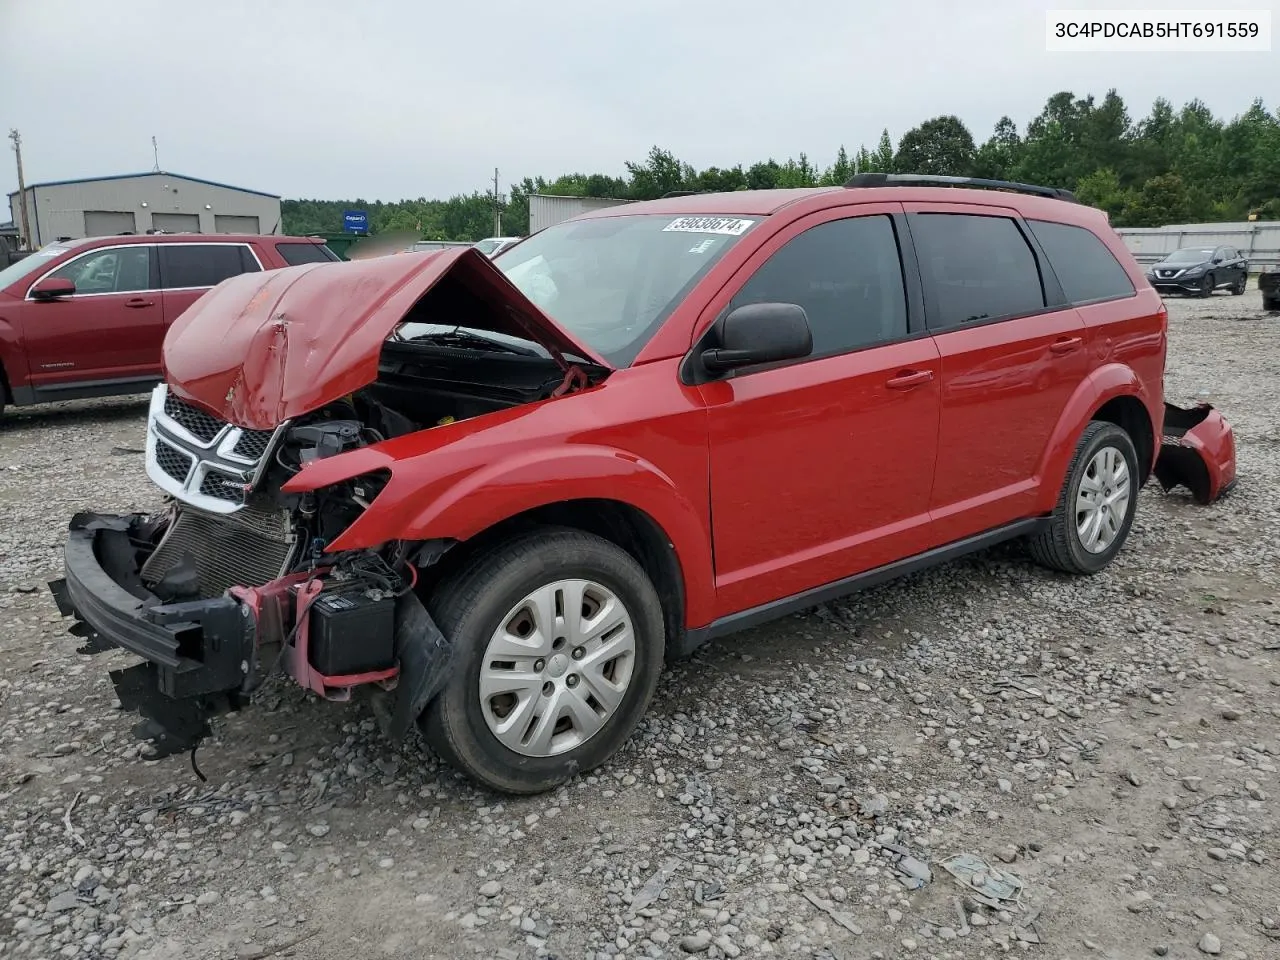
{"points": [[341, 243]]}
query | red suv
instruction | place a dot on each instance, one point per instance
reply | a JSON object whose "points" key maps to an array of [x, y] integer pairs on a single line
{"points": [[495, 495], [86, 318]]}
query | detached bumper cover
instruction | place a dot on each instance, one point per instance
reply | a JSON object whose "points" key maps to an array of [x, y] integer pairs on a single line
{"points": [[1198, 451], [196, 655]]}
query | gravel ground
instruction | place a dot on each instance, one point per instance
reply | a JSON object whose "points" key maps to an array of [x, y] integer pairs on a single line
{"points": [[1104, 751]]}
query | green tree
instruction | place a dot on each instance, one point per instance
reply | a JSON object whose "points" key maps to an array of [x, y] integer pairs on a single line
{"points": [[942, 146], [660, 174], [1161, 200], [882, 158], [840, 171], [1102, 189], [998, 157]]}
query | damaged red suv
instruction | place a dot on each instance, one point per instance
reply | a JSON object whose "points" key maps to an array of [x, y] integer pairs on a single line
{"points": [[496, 495]]}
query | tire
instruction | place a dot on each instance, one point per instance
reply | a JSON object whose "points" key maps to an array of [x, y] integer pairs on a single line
{"points": [[1240, 286], [1271, 304], [471, 607], [1206, 286], [1060, 546]]}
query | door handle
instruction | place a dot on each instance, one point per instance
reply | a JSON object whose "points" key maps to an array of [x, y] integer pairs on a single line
{"points": [[908, 379], [1065, 345], [137, 302]]}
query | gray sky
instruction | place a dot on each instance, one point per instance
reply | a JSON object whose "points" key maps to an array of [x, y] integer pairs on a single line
{"points": [[388, 99]]}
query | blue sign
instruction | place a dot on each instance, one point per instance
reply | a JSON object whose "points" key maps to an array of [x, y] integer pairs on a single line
{"points": [[355, 221]]}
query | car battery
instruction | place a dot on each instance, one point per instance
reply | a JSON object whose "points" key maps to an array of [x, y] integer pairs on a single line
{"points": [[351, 632]]}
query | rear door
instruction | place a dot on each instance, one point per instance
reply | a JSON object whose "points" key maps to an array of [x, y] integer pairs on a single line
{"points": [[1012, 353], [821, 468], [110, 329], [187, 270]]}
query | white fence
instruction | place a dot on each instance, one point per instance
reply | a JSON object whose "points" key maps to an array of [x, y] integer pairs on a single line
{"points": [[1258, 241]]}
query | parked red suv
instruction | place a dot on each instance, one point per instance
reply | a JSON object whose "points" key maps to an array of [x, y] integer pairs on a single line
{"points": [[495, 495], [86, 318]]}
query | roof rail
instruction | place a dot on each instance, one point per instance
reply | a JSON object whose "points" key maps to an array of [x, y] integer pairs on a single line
{"points": [[682, 193], [926, 180]]}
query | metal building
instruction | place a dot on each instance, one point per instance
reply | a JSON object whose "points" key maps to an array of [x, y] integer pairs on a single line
{"points": [[142, 202], [546, 210]]}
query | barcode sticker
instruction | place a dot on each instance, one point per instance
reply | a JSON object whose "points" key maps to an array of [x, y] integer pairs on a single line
{"points": [[726, 226]]}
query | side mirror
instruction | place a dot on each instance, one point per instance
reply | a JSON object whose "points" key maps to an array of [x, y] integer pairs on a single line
{"points": [[51, 288], [759, 333]]}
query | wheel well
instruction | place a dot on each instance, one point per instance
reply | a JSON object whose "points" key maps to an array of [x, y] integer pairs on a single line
{"points": [[1131, 416], [620, 523]]}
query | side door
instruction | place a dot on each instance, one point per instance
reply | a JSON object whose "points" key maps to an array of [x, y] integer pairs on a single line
{"points": [[821, 468], [1239, 274], [110, 329], [188, 270], [1013, 352]]}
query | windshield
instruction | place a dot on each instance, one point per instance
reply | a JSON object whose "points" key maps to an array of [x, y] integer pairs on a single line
{"points": [[488, 246], [612, 281], [30, 264], [1191, 255]]}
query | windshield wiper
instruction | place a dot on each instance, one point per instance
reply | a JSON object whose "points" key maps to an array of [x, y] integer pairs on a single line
{"points": [[464, 338]]}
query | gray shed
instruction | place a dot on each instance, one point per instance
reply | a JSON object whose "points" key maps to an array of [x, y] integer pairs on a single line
{"points": [[143, 202]]}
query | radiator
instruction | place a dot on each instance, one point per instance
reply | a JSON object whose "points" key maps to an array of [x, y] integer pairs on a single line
{"points": [[247, 548]]}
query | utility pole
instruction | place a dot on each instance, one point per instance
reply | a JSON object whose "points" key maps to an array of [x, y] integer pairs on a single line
{"points": [[497, 208], [22, 189], [155, 153]]}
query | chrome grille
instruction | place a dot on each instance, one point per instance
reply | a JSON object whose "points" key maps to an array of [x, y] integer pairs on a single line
{"points": [[173, 461], [196, 421], [200, 459], [248, 548]]}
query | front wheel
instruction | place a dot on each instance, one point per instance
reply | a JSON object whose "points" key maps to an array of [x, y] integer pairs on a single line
{"points": [[1095, 509], [558, 643], [1206, 287]]}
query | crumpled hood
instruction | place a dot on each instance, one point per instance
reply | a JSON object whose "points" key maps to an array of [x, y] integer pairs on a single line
{"points": [[264, 347]]}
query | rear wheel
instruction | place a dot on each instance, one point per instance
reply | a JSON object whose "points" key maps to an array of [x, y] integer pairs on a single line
{"points": [[558, 643], [1095, 510], [1238, 287]]}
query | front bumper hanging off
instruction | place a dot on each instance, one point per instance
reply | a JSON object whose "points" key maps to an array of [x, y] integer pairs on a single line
{"points": [[203, 658], [196, 655]]}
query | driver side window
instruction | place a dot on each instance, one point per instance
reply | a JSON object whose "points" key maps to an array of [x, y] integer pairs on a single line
{"points": [[847, 275], [115, 270]]}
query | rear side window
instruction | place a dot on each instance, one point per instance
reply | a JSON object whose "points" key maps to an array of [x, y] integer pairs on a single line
{"points": [[847, 274], [203, 264], [975, 268], [299, 253], [1087, 270]]}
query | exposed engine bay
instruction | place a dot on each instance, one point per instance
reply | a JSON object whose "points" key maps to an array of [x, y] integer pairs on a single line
{"points": [[233, 580]]}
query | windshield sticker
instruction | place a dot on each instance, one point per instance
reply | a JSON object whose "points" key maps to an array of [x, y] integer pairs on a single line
{"points": [[725, 226], [702, 246]]}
